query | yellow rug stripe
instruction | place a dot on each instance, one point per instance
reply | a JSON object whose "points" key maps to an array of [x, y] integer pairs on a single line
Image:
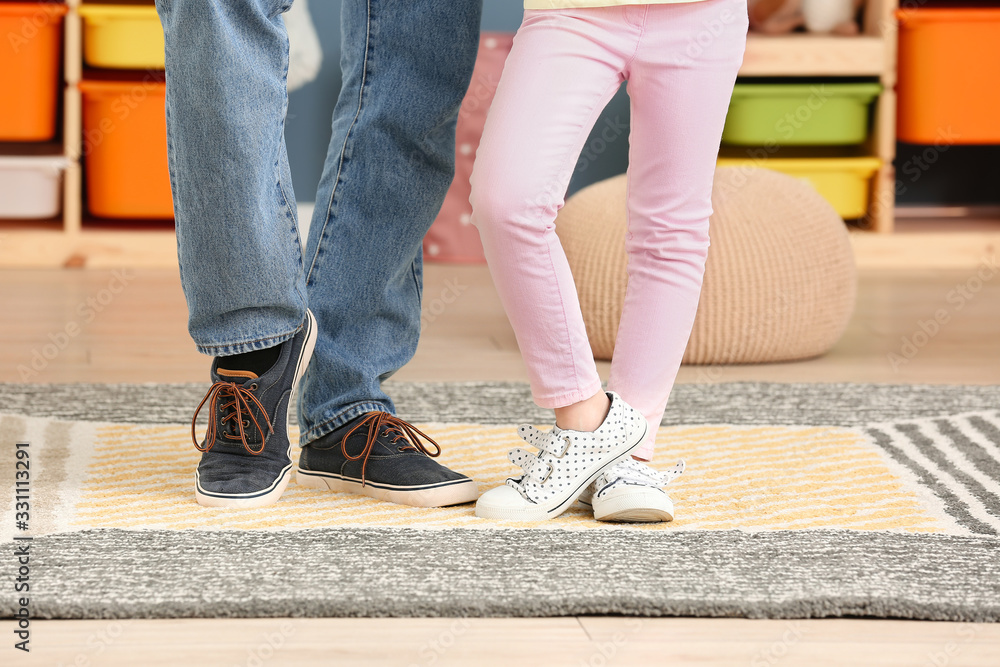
{"points": [[751, 477]]}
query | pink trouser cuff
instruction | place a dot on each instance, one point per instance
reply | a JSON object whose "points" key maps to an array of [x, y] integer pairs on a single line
{"points": [[566, 399]]}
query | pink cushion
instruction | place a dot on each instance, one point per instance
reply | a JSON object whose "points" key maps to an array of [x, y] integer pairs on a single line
{"points": [[451, 238]]}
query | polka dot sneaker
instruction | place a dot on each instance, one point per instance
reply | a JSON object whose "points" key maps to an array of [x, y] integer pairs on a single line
{"points": [[631, 491], [567, 462]]}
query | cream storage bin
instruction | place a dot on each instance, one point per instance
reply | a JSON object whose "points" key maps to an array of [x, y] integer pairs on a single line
{"points": [[31, 187], [122, 36], [845, 182]]}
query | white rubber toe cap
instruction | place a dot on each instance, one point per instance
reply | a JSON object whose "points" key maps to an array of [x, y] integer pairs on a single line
{"points": [[504, 502]]}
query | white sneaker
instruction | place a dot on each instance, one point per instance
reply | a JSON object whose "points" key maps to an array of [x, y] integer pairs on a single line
{"points": [[631, 491], [568, 461]]}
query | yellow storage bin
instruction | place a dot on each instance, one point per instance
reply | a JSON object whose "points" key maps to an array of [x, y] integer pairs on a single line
{"points": [[122, 36], [845, 182]]}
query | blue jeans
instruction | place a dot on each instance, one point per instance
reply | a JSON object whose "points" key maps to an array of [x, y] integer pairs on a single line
{"points": [[406, 65]]}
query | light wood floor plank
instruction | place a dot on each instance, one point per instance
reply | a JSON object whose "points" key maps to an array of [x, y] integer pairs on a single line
{"points": [[832, 630], [194, 642]]}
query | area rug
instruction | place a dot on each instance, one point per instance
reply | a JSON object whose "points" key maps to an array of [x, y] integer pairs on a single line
{"points": [[800, 500]]}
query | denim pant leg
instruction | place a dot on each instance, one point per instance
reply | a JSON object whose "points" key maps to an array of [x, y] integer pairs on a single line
{"points": [[237, 238], [406, 67]]}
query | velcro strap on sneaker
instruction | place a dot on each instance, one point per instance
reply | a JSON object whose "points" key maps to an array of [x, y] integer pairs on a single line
{"points": [[556, 445], [520, 457], [550, 442], [536, 469]]}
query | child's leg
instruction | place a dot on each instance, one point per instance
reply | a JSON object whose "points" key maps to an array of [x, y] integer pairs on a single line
{"points": [[680, 85], [564, 67]]}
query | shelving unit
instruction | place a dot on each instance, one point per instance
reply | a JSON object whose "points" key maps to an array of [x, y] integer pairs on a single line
{"points": [[68, 242], [870, 54], [79, 241]]}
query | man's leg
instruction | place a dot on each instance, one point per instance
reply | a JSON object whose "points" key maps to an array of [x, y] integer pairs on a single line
{"points": [[240, 258], [407, 64]]}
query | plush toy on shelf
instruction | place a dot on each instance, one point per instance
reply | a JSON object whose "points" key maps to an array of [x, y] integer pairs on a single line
{"points": [[776, 17]]}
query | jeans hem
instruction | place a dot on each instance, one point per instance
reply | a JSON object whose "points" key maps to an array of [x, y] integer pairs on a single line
{"points": [[563, 400], [230, 349], [333, 423]]}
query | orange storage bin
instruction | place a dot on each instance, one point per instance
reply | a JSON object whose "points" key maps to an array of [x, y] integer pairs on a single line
{"points": [[30, 57], [125, 148], [949, 76]]}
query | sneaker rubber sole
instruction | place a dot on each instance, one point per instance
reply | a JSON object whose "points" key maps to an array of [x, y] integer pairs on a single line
{"points": [[455, 492], [559, 504], [263, 498], [633, 506], [270, 495]]}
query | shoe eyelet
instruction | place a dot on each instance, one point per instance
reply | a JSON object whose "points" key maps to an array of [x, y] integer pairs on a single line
{"points": [[246, 423], [253, 387]]}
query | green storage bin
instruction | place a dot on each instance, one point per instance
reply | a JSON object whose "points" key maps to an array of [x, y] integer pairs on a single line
{"points": [[799, 114]]}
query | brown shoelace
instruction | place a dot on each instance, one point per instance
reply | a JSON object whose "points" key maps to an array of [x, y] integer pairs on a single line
{"points": [[376, 421], [239, 395]]}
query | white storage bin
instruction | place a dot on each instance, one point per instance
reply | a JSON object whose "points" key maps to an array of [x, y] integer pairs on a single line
{"points": [[31, 187]]}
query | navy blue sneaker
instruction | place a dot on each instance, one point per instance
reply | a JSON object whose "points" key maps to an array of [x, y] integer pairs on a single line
{"points": [[246, 456], [382, 456]]}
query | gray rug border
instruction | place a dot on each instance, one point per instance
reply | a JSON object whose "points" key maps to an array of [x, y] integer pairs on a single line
{"points": [[373, 572], [737, 403]]}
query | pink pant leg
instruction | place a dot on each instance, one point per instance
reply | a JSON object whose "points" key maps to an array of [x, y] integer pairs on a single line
{"points": [[565, 65], [680, 84]]}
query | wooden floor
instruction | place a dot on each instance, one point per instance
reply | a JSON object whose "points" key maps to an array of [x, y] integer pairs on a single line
{"points": [[96, 326], [582, 641], [130, 326]]}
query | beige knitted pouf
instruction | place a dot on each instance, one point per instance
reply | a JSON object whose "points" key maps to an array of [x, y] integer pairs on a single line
{"points": [[780, 280]]}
